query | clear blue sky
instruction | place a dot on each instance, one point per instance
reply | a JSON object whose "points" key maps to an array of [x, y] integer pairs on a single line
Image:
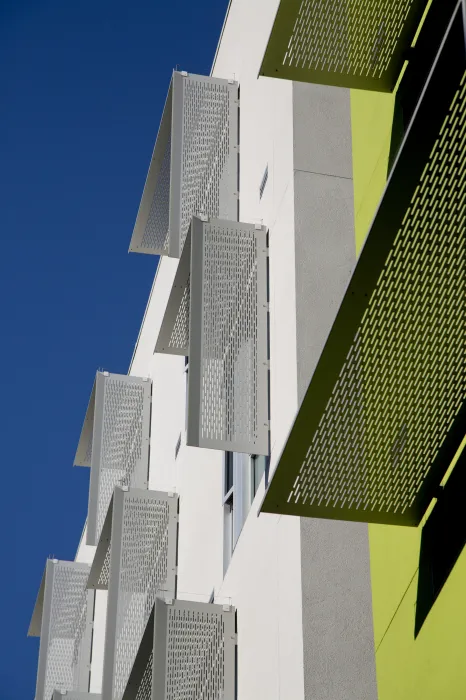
{"points": [[82, 87]]}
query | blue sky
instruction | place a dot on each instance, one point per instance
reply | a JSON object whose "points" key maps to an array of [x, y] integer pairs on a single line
{"points": [[82, 87]]}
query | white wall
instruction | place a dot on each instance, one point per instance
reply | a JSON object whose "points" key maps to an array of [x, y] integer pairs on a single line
{"points": [[264, 577]]}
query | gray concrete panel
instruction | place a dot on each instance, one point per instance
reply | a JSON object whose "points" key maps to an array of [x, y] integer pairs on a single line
{"points": [[338, 639], [322, 130], [325, 258]]}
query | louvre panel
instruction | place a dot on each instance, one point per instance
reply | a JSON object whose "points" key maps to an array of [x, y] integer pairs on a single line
{"points": [[194, 167], [65, 638], [142, 564], [208, 157], [84, 452], [36, 619], [228, 366], [385, 410], [174, 331], [194, 651], [145, 688], [99, 575], [119, 448], [139, 686], [150, 234], [342, 42]]}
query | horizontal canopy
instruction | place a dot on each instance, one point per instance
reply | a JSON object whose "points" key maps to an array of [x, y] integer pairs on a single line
{"points": [[385, 409], [341, 42]]}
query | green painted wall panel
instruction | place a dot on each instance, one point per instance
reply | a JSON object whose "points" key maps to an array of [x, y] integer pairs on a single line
{"points": [[371, 119], [431, 666], [394, 553]]}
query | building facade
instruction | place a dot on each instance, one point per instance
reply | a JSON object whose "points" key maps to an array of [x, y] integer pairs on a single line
{"points": [[274, 495]]}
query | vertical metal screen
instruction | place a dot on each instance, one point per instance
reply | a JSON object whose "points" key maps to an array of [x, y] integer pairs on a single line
{"points": [[142, 565], [194, 651], [194, 167], [65, 635], [116, 441], [228, 349]]}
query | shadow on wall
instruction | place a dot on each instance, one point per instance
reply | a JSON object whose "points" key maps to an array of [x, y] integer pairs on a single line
{"points": [[420, 60], [442, 541]]}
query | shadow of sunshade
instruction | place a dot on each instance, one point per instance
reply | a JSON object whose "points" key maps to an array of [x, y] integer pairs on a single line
{"points": [[442, 541]]}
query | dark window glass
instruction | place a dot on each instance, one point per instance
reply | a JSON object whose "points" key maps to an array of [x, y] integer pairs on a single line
{"points": [[228, 471]]}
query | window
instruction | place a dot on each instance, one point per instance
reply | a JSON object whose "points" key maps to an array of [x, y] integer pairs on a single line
{"points": [[265, 177], [178, 445], [186, 370], [242, 475], [228, 505], [259, 467]]}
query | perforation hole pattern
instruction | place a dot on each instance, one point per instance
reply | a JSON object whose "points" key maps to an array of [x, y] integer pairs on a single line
{"points": [[229, 343], [145, 686], [404, 379], [347, 36], [104, 575], [81, 621], [143, 572], [155, 236], [68, 607], [195, 655], [88, 459], [122, 439], [179, 337], [207, 151]]}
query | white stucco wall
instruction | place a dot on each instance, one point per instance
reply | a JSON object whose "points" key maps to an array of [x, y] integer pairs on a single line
{"points": [[264, 576]]}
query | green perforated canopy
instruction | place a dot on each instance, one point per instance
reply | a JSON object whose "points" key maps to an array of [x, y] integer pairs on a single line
{"points": [[385, 409], [347, 43]]}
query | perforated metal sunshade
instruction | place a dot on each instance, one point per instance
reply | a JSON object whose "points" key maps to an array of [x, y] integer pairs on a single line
{"points": [[191, 653], [194, 167], [174, 332], [385, 409], [228, 351], [99, 574], [114, 442], [142, 565], [342, 42], [65, 618]]}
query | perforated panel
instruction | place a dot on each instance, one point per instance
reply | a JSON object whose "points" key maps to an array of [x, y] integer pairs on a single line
{"points": [[150, 234], [394, 415], [83, 455], [342, 42], [194, 168], [208, 153], [142, 564], [145, 688], [100, 569], [194, 651], [179, 337], [228, 370], [174, 331], [104, 576], [139, 685], [64, 652], [120, 442], [155, 236]]}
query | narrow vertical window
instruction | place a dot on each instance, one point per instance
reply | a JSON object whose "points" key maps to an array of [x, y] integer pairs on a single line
{"points": [[228, 505], [265, 177], [259, 466]]}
